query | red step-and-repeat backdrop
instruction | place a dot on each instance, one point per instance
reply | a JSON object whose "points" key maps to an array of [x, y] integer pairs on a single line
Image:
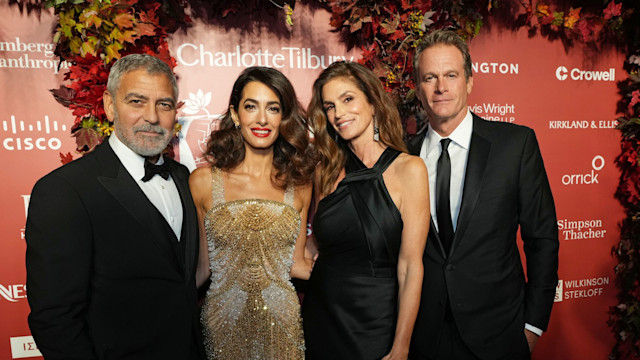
{"points": [[568, 96]]}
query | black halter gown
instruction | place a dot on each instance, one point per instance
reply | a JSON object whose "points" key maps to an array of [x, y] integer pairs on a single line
{"points": [[350, 307]]}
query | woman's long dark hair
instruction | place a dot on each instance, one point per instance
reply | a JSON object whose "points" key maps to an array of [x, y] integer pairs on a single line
{"points": [[293, 157]]}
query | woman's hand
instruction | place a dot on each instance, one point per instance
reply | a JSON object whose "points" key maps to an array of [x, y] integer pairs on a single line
{"points": [[397, 354], [302, 264], [301, 269]]}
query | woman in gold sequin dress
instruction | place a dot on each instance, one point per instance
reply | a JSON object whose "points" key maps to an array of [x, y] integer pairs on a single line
{"points": [[252, 206]]}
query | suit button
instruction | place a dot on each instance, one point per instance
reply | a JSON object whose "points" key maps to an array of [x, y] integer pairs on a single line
{"points": [[450, 267]]}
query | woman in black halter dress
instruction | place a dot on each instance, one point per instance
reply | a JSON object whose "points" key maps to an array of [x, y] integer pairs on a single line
{"points": [[371, 222]]}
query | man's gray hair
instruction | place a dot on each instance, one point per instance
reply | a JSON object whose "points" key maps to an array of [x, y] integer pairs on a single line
{"points": [[133, 62], [442, 37]]}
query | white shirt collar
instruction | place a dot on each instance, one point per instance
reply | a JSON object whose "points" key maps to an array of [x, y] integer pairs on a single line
{"points": [[133, 162], [461, 135]]}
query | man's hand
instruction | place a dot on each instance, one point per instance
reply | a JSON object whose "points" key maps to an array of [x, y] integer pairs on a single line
{"points": [[532, 339]]}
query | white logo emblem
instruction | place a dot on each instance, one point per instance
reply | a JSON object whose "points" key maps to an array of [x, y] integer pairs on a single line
{"points": [[559, 289], [199, 121], [38, 136], [561, 73], [585, 179], [24, 347]]}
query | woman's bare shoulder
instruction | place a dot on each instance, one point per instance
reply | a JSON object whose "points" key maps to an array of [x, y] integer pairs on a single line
{"points": [[409, 168]]}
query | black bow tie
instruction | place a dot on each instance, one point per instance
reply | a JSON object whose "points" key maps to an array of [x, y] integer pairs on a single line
{"points": [[150, 170]]}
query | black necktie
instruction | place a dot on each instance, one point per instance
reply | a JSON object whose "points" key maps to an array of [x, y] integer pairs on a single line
{"points": [[150, 170], [443, 209]]}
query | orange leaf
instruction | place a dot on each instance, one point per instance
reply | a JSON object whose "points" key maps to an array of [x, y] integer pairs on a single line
{"points": [[145, 29], [543, 9], [124, 20], [129, 36], [94, 21], [574, 16]]}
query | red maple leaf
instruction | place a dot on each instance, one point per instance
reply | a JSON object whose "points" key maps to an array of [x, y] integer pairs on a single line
{"points": [[162, 52], [397, 35], [149, 13], [80, 111], [422, 5], [586, 30], [635, 99], [86, 139], [63, 95], [612, 10], [66, 158], [546, 20]]}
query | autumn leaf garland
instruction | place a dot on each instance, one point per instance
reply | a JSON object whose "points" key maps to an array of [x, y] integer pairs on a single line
{"points": [[389, 31], [91, 35]]}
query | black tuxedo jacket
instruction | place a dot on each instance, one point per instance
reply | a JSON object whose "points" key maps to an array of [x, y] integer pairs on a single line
{"points": [[505, 189], [106, 276]]}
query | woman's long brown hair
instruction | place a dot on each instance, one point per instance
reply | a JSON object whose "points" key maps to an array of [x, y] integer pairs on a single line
{"points": [[331, 148]]}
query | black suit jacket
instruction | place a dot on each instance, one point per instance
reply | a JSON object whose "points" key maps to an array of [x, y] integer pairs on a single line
{"points": [[505, 189], [106, 276]]}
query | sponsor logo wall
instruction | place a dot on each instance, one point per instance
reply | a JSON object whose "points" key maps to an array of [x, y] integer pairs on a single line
{"points": [[567, 97]]}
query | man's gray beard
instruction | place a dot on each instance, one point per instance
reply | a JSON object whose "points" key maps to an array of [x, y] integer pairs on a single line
{"points": [[150, 147]]}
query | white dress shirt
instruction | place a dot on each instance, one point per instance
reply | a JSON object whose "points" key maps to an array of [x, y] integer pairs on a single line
{"points": [[459, 154], [162, 193]]}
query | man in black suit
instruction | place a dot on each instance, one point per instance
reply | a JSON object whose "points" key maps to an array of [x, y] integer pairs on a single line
{"points": [[112, 238], [487, 179]]}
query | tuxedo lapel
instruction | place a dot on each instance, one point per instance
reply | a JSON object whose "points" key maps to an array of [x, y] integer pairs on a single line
{"points": [[433, 234], [476, 163], [415, 145], [189, 234], [117, 181]]}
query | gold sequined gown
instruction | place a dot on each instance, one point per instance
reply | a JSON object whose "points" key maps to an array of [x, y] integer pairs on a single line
{"points": [[251, 310]]}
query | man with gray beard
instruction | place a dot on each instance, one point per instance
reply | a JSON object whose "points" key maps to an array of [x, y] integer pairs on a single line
{"points": [[111, 247]]}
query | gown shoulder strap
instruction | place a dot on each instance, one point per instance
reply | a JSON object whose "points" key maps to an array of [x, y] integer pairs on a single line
{"points": [[356, 171], [289, 194], [386, 159], [217, 186]]}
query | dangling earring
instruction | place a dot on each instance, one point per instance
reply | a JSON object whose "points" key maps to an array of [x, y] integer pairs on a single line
{"points": [[376, 131], [234, 117], [335, 137]]}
